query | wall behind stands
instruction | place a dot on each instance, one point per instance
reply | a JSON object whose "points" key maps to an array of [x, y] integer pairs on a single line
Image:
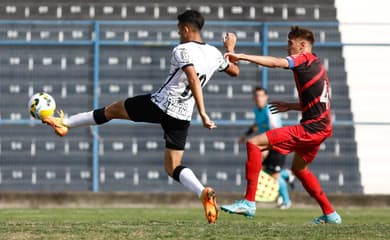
{"points": [[365, 26]]}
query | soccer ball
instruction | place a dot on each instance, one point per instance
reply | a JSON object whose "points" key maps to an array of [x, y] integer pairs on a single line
{"points": [[41, 105]]}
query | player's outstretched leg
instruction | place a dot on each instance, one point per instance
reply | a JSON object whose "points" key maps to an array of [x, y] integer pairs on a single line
{"points": [[332, 218], [209, 202], [57, 124], [241, 207]]}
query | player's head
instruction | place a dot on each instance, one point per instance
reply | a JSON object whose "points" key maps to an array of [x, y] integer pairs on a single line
{"points": [[192, 18], [190, 22], [299, 40], [260, 97]]}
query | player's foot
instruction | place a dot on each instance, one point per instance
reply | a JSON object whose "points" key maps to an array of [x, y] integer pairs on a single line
{"points": [[56, 123], [210, 204], [242, 207], [284, 206], [333, 218]]}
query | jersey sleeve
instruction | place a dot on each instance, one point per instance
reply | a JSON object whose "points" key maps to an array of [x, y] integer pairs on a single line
{"points": [[223, 63], [296, 60], [182, 57]]}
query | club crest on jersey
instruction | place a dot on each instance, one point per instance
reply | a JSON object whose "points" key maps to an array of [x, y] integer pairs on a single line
{"points": [[184, 56]]}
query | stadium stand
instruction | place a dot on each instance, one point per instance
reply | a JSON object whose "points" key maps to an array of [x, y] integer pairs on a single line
{"points": [[57, 57], [141, 10]]}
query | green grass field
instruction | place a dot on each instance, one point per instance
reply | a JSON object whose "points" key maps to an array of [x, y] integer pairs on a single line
{"points": [[182, 223]]}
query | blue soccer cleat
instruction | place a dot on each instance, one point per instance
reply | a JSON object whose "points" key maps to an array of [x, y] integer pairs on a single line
{"points": [[241, 207], [333, 218]]}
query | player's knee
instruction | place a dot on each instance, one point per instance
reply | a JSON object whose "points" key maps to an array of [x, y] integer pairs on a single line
{"points": [[115, 110], [109, 111], [295, 171], [261, 145]]}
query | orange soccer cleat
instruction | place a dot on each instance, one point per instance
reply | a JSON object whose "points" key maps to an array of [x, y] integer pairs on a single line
{"points": [[56, 123], [210, 204]]}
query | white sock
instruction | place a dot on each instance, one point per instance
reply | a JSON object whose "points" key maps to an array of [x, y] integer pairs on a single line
{"points": [[188, 179], [80, 119]]}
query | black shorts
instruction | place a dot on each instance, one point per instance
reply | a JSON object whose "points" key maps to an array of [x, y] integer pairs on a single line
{"points": [[274, 162], [142, 109]]}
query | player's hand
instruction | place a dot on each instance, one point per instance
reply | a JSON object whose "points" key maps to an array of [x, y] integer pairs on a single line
{"points": [[278, 107], [233, 57], [229, 41], [207, 123]]}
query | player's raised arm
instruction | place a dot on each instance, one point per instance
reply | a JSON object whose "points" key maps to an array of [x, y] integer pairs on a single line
{"points": [[229, 41], [266, 61]]}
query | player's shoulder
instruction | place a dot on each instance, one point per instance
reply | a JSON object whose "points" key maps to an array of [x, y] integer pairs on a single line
{"points": [[196, 47], [304, 55], [212, 50], [211, 47], [195, 44], [306, 58]]}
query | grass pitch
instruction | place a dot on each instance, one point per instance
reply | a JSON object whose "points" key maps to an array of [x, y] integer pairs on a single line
{"points": [[188, 223]]}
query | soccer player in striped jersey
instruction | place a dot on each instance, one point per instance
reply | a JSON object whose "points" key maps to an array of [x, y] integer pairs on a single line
{"points": [[193, 63], [303, 139]]}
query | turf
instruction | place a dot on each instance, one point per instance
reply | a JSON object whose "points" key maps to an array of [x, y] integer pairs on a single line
{"points": [[182, 223]]}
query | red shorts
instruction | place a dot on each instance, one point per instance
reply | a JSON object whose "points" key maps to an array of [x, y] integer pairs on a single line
{"points": [[295, 139]]}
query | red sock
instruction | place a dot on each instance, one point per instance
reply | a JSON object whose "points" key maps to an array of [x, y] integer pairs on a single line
{"points": [[252, 170], [313, 187]]}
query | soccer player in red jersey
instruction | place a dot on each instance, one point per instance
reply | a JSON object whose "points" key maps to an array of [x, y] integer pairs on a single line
{"points": [[303, 139]]}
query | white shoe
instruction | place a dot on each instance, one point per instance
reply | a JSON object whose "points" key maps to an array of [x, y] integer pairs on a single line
{"points": [[284, 206]]}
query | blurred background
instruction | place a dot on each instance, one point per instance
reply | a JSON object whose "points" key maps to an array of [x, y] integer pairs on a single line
{"points": [[87, 54]]}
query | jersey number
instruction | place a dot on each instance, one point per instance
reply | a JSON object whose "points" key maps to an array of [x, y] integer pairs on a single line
{"points": [[325, 95], [187, 92]]}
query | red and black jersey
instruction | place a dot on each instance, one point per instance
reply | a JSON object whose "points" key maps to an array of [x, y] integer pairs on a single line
{"points": [[312, 84]]}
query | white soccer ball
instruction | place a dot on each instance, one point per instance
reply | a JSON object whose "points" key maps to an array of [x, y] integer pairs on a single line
{"points": [[41, 105]]}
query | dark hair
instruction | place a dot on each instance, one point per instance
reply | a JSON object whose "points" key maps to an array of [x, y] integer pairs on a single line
{"points": [[193, 18], [260, 88], [299, 32]]}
